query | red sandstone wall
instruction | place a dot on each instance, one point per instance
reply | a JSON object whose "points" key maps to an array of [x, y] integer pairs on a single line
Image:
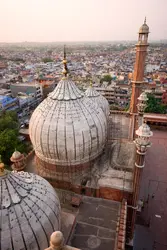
{"points": [[102, 192], [114, 194]]}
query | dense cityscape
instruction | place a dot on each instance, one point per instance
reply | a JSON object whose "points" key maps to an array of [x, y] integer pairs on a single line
{"points": [[28, 72]]}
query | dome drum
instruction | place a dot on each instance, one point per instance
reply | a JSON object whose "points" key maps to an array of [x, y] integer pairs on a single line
{"points": [[69, 180], [61, 168], [54, 172]]}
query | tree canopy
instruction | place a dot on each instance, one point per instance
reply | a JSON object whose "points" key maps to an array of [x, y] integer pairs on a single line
{"points": [[9, 131], [47, 59], [106, 78], [154, 105]]}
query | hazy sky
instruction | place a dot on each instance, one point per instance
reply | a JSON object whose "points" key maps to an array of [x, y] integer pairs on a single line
{"points": [[80, 20]]}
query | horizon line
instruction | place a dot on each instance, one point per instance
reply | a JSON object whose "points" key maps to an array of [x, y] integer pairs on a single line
{"points": [[84, 41]]}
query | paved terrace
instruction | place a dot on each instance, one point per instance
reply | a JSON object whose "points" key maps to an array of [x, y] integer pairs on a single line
{"points": [[96, 221], [154, 193], [96, 224]]}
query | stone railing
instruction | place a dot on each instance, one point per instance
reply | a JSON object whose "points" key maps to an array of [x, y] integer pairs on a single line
{"points": [[119, 112], [121, 227]]}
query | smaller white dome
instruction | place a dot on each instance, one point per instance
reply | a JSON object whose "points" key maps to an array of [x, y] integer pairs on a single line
{"points": [[100, 100], [144, 29], [16, 155], [144, 131], [143, 97]]}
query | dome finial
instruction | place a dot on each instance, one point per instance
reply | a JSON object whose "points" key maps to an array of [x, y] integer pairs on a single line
{"points": [[64, 52], [57, 240], [90, 84], [144, 29], [65, 69]]}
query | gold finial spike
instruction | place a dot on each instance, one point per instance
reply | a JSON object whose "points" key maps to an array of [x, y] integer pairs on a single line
{"points": [[65, 69], [64, 52], [91, 84], [145, 20], [2, 172]]}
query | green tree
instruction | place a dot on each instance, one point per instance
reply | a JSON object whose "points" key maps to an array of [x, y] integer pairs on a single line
{"points": [[114, 107], [1, 57], [50, 52], [154, 105], [47, 59], [127, 107], [18, 60], [106, 78], [9, 131]]}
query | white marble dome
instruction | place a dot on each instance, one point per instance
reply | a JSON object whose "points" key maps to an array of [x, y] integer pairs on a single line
{"points": [[144, 29], [67, 128], [99, 99], [29, 211]]}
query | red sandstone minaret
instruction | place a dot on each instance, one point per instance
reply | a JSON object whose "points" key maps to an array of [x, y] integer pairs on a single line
{"points": [[138, 74]]}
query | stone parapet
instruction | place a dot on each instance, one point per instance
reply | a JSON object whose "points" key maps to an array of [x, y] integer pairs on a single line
{"points": [[121, 227]]}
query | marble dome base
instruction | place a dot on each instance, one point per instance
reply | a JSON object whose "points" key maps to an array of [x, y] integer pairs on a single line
{"points": [[58, 175]]}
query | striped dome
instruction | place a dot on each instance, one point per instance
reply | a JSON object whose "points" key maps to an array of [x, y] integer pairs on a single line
{"points": [[29, 211], [99, 99], [67, 128]]}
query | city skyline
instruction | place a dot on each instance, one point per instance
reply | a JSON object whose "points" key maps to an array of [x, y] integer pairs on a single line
{"points": [[75, 21]]}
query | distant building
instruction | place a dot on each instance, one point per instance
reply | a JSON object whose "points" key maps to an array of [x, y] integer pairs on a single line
{"points": [[108, 93], [32, 88], [5, 92], [164, 97], [3, 65], [48, 84], [114, 94], [27, 103], [8, 103]]}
